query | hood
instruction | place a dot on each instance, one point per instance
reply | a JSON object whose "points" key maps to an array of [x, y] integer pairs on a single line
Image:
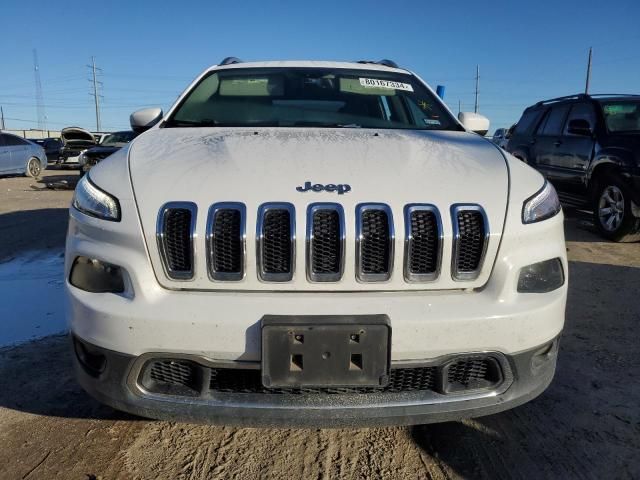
{"points": [[76, 134], [394, 167]]}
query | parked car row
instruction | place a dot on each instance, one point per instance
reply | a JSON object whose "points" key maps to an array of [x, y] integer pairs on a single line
{"points": [[20, 156], [588, 147], [76, 147]]}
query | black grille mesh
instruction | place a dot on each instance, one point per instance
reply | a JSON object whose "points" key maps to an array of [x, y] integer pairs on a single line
{"points": [[327, 246], [227, 241], [276, 242], [471, 241], [174, 372], [179, 377], [249, 381], [424, 245], [177, 240], [471, 373], [374, 245]]}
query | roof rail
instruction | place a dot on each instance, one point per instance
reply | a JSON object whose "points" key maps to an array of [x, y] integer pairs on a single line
{"points": [[385, 61], [614, 95], [230, 61], [557, 99]]}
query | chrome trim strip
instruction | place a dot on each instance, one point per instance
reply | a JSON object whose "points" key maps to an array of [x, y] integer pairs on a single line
{"points": [[262, 210], [374, 277], [324, 277], [213, 210], [160, 239], [410, 277], [455, 209]]}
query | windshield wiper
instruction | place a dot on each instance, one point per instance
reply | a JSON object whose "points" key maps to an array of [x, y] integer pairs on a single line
{"points": [[325, 125], [215, 123]]}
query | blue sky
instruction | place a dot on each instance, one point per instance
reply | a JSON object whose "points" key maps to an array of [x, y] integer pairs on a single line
{"points": [[149, 51]]}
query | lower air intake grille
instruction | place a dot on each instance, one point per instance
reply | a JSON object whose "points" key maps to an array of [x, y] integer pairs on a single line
{"points": [[470, 243], [176, 239], [174, 377], [185, 377], [226, 243], [375, 243], [472, 373], [227, 380], [325, 243], [276, 243]]}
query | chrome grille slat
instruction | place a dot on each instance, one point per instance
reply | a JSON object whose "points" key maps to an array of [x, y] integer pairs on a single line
{"points": [[374, 242], [423, 243], [226, 241], [470, 240], [276, 242], [326, 247], [175, 236], [325, 242]]}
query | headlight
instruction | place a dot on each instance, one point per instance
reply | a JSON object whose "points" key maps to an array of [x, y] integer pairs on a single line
{"points": [[92, 201], [541, 277], [544, 204]]}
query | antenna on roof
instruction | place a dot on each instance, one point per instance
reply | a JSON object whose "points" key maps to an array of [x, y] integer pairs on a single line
{"points": [[230, 61]]}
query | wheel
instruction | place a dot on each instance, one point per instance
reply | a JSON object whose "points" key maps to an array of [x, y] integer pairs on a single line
{"points": [[33, 167], [612, 210]]}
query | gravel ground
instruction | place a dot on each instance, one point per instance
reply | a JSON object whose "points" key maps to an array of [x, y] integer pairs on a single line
{"points": [[586, 425]]}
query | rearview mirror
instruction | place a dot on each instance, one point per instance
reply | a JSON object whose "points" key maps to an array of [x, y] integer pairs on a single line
{"points": [[579, 126], [144, 119], [474, 122]]}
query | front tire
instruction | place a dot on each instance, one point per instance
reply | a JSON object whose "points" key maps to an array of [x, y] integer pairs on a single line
{"points": [[612, 210], [33, 168]]}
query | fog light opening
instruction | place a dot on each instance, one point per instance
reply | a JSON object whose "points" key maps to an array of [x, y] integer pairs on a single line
{"points": [[541, 277], [93, 363], [95, 276]]}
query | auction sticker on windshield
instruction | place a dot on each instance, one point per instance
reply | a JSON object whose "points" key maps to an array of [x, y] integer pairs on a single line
{"points": [[376, 83]]}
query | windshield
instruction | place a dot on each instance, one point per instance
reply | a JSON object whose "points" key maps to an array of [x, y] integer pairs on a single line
{"points": [[118, 138], [311, 97], [622, 115]]}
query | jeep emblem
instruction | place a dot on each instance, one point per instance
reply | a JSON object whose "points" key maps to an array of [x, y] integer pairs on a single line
{"points": [[329, 187]]}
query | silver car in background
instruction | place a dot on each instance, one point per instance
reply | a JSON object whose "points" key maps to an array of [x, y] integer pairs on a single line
{"points": [[20, 156]]}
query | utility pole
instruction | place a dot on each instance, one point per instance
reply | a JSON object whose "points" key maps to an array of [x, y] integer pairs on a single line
{"points": [[1, 119], [475, 108], [42, 117], [459, 106], [586, 87], [96, 84]]}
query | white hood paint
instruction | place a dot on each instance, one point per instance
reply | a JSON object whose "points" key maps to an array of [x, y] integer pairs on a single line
{"points": [[209, 165]]}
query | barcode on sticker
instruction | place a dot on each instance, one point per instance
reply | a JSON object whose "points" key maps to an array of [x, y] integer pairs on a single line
{"points": [[376, 83]]}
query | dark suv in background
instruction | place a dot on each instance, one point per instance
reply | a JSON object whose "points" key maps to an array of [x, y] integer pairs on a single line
{"points": [[588, 147]]}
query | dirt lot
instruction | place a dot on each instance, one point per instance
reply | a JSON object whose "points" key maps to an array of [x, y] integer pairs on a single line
{"points": [[586, 425]]}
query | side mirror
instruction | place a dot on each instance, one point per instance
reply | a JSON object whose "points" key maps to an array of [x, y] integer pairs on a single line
{"points": [[579, 126], [144, 119], [474, 122]]}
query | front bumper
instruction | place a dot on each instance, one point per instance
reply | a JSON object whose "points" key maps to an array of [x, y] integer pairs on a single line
{"points": [[116, 380]]}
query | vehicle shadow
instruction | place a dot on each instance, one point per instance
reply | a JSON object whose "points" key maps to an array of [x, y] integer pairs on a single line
{"points": [[579, 226], [585, 425], [45, 228], [37, 377], [59, 182]]}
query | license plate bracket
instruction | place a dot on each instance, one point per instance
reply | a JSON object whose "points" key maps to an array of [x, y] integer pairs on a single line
{"points": [[325, 350]]}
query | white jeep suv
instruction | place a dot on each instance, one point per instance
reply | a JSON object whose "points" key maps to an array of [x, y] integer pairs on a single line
{"points": [[314, 244]]}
